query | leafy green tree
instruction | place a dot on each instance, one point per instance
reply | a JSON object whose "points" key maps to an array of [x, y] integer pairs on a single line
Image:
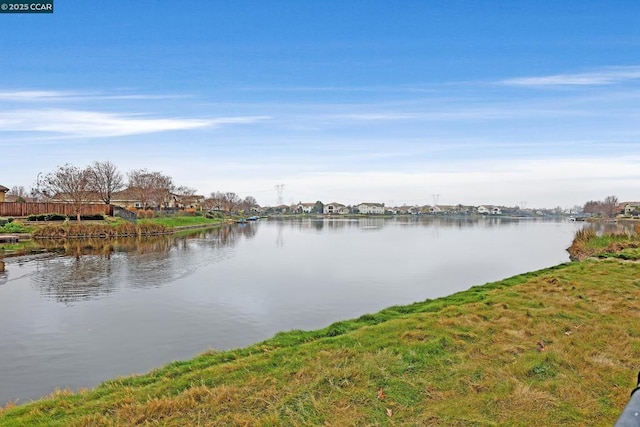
{"points": [[318, 208]]}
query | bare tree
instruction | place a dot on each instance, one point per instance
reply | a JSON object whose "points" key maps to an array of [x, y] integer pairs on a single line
{"points": [[608, 207], [592, 207], [227, 202], [69, 184], [214, 201], [152, 189], [20, 193], [231, 201], [163, 187], [611, 206], [105, 179], [248, 203], [209, 203]]}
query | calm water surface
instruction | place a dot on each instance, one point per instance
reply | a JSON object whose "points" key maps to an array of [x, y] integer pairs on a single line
{"points": [[96, 310]]}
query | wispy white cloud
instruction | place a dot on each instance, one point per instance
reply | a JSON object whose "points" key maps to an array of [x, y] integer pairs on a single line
{"points": [[52, 96], [605, 76], [33, 95], [462, 113], [76, 123], [432, 88]]}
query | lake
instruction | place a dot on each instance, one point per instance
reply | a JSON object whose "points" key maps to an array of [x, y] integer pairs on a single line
{"points": [[88, 311]]}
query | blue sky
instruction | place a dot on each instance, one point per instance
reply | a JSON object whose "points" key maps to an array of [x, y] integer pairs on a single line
{"points": [[480, 102]]}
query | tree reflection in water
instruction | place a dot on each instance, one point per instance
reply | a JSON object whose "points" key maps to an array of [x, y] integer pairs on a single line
{"points": [[85, 269]]}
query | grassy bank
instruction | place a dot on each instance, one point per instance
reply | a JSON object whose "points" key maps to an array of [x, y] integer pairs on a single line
{"points": [[554, 347], [22, 247], [108, 228], [116, 227], [183, 221], [587, 244]]}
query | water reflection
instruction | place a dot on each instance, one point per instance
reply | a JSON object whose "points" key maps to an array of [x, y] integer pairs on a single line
{"points": [[373, 223], [337, 224], [167, 298], [619, 227], [3, 274], [84, 269]]}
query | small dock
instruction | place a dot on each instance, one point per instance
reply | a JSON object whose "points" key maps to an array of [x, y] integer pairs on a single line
{"points": [[8, 238]]}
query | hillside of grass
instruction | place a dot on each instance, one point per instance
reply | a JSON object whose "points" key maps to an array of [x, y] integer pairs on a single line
{"points": [[559, 346]]}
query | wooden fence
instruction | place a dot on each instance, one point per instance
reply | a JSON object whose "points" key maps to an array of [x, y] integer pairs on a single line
{"points": [[15, 209]]}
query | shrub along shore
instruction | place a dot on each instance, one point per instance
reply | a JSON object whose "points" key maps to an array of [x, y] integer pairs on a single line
{"points": [[558, 346], [53, 227]]}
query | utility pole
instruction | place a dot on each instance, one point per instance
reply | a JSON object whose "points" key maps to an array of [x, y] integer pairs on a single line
{"points": [[279, 188]]}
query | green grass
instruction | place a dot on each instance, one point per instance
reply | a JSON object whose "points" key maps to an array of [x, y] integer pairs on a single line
{"points": [[553, 347], [107, 228], [16, 227], [181, 221], [20, 248], [587, 244]]}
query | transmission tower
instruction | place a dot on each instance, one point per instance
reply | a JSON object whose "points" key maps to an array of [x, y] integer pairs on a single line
{"points": [[279, 188], [435, 199]]}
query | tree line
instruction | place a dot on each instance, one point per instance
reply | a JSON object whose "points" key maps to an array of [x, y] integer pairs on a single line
{"points": [[607, 207], [150, 189]]}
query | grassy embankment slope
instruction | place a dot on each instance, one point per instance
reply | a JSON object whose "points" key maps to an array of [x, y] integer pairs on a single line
{"points": [[559, 346]]}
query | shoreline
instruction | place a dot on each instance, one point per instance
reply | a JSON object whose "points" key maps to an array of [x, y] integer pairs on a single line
{"points": [[26, 238], [366, 357], [527, 341]]}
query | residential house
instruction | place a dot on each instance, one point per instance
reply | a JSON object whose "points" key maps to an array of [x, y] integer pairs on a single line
{"points": [[632, 208], [483, 210], [403, 210], [17, 199], [3, 192], [489, 210], [131, 198], [371, 208], [90, 198], [304, 207], [415, 210], [447, 209], [127, 198], [335, 208], [463, 209], [407, 210], [434, 209], [193, 201]]}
